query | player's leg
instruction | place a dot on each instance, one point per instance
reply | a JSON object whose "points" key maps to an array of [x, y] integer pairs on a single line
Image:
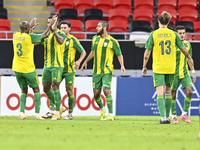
{"points": [[24, 90], [69, 84], [159, 83], [107, 79], [187, 84]]}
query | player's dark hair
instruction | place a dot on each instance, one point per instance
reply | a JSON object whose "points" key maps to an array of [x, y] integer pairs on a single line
{"points": [[105, 24], [179, 28], [164, 18], [50, 17], [65, 22]]}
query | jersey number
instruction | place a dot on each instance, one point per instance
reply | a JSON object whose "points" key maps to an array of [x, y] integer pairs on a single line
{"points": [[19, 47], [168, 44]]}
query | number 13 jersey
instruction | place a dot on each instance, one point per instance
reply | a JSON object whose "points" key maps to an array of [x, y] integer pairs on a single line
{"points": [[23, 46], [163, 42]]}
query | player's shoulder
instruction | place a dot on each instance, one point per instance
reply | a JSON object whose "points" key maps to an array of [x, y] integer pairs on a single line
{"points": [[112, 39], [59, 31], [95, 36], [187, 42]]}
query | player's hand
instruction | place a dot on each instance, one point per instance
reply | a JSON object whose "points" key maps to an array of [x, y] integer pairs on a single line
{"points": [[33, 22], [193, 78], [54, 24], [76, 65], [123, 70], [144, 71], [84, 65]]}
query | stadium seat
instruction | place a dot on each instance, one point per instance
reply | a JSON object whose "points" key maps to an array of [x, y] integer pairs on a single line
{"points": [[141, 26], [1, 3], [3, 13], [5, 26], [143, 14], [188, 25], [118, 14], [188, 15], [167, 4], [67, 14], [82, 5], [63, 4], [117, 26], [197, 30], [93, 14], [187, 4], [104, 5], [123, 4], [144, 4], [197, 37], [189, 37], [172, 12], [91, 25]]}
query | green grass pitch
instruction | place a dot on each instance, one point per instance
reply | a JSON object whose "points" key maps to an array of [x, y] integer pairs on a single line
{"points": [[89, 133]]}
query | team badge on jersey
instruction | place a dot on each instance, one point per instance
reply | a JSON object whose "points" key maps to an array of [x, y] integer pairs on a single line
{"points": [[67, 43], [105, 44]]}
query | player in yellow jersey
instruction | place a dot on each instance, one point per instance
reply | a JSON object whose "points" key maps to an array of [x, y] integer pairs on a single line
{"points": [[182, 75], [103, 48], [70, 46], [163, 42], [53, 68], [23, 64]]}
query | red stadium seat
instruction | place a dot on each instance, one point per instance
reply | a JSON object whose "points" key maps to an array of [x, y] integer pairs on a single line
{"points": [[123, 4], [197, 30], [82, 5], [167, 4], [187, 4], [104, 5], [189, 38], [63, 4], [118, 14], [117, 26], [76, 26], [172, 12], [188, 15], [91, 25], [144, 4], [5, 26], [197, 37], [143, 14]]}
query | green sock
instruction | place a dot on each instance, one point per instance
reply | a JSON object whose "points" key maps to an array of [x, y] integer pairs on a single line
{"points": [[99, 102], [161, 105], [37, 98], [57, 99], [187, 102], [71, 103], [22, 102], [50, 95], [173, 107], [109, 101], [168, 101]]}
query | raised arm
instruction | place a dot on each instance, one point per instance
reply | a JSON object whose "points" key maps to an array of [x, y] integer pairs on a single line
{"points": [[91, 55], [121, 61], [147, 54]]}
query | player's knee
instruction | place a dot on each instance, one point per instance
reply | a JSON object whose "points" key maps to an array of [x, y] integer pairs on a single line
{"points": [[96, 95], [189, 93], [69, 92], [106, 91]]}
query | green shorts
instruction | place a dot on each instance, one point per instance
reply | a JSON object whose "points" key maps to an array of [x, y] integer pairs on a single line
{"points": [[186, 81], [27, 79], [69, 78], [102, 80], [52, 74], [162, 79]]}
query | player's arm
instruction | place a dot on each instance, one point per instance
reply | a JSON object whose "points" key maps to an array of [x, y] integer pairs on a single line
{"points": [[147, 54], [192, 67], [91, 55], [78, 62], [190, 60], [46, 33], [121, 61]]}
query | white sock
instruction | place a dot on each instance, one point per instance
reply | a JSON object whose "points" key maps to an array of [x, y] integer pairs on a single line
{"points": [[184, 113], [57, 112], [51, 111], [102, 109], [110, 114], [36, 114], [173, 116], [163, 118]]}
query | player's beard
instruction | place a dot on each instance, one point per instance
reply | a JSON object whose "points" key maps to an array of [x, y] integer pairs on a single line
{"points": [[100, 32]]}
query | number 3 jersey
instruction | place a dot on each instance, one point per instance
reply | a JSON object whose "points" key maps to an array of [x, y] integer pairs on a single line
{"points": [[23, 46], [163, 42]]}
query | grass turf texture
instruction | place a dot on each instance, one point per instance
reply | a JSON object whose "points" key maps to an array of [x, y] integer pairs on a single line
{"points": [[89, 133]]}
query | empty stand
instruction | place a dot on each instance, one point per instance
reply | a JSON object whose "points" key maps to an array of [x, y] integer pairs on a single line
{"points": [[91, 25], [188, 15], [63, 4], [82, 5], [172, 12], [67, 14], [187, 4], [118, 14], [104, 5], [93, 14], [123, 4], [143, 14], [167, 4], [5, 26], [1, 3], [144, 4], [141, 26], [117, 26], [188, 25], [3, 13], [197, 30]]}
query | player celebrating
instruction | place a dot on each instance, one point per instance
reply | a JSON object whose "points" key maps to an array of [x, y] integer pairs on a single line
{"points": [[103, 48], [182, 75], [70, 45], [23, 64], [163, 41], [53, 68]]}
